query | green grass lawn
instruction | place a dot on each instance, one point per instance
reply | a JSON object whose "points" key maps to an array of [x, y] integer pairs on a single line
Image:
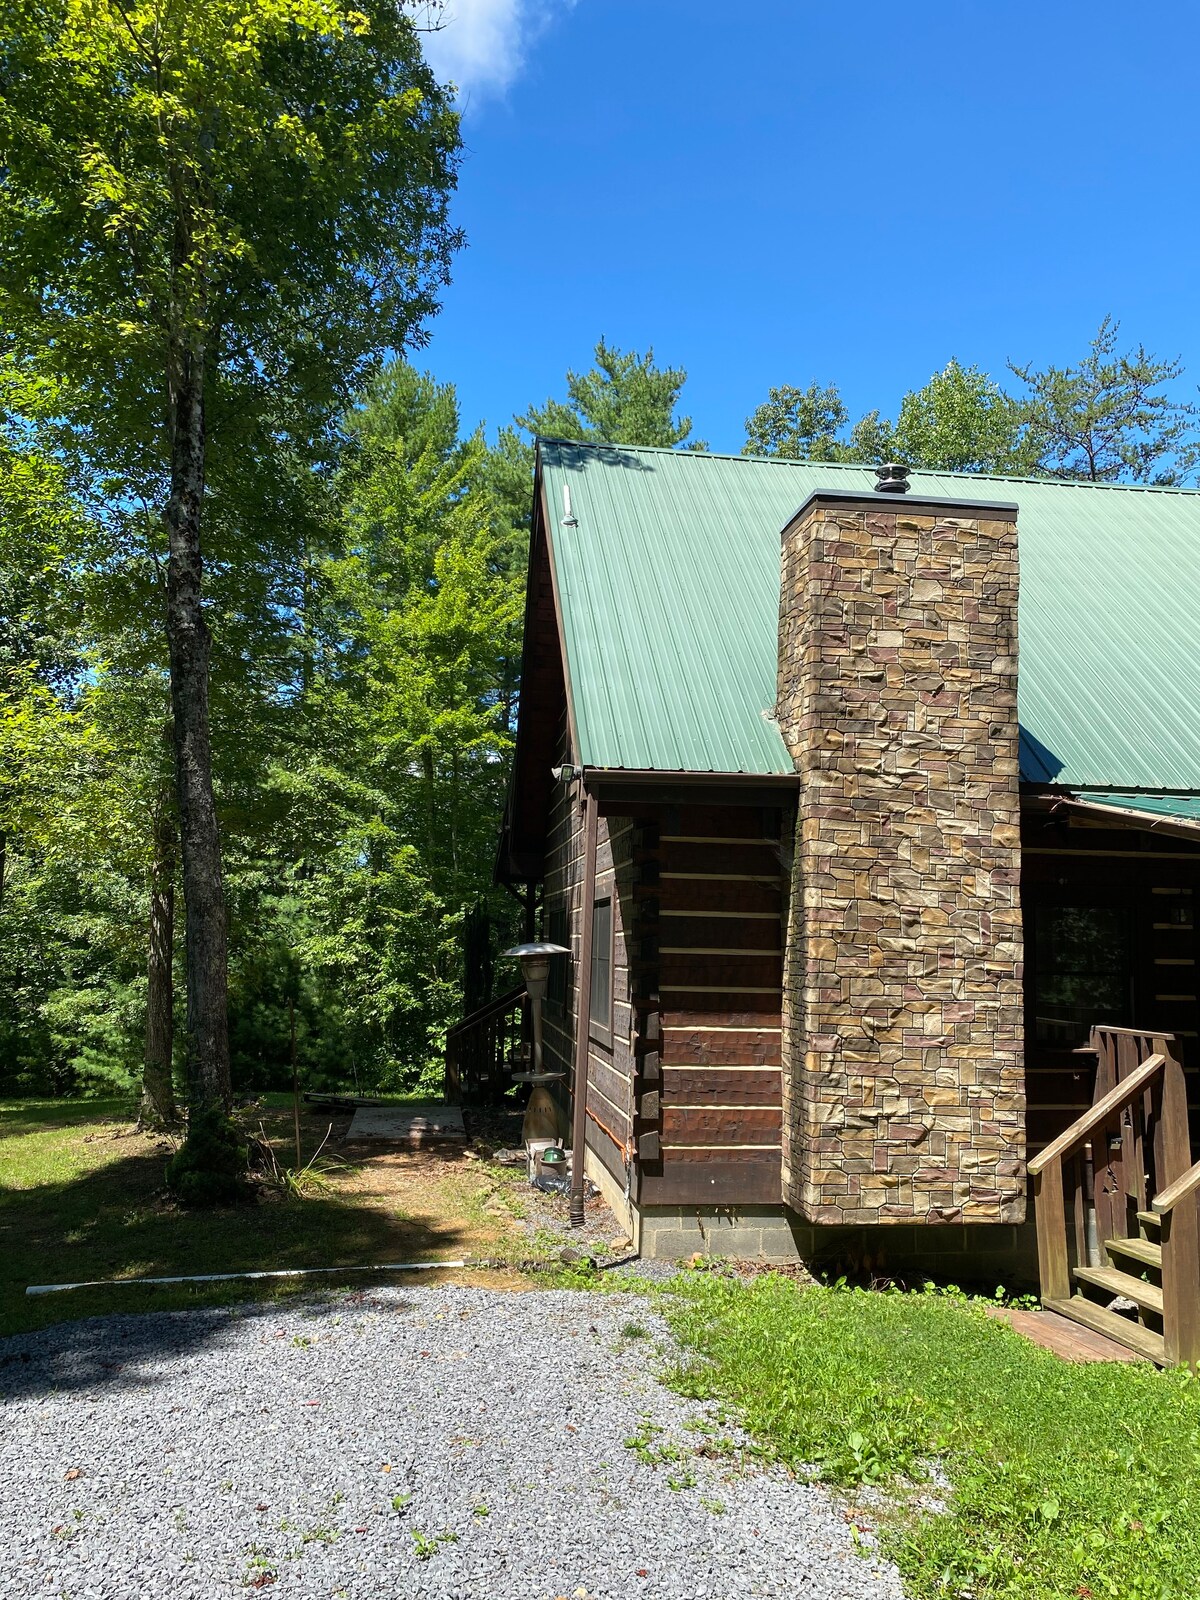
{"points": [[82, 1197], [1070, 1481]]}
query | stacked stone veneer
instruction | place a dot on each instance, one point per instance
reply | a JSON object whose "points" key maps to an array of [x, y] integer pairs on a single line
{"points": [[903, 1077]]}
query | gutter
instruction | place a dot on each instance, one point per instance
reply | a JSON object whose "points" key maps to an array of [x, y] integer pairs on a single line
{"points": [[1150, 821]]}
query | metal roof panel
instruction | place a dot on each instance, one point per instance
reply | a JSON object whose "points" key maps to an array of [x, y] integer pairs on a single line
{"points": [[669, 586]]}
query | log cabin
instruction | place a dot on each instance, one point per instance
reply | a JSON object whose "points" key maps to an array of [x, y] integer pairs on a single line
{"points": [[868, 805]]}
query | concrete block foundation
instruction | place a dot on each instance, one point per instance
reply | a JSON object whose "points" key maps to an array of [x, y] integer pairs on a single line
{"points": [[977, 1255]]}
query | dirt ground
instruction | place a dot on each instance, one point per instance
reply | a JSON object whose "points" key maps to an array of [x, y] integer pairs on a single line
{"points": [[82, 1198]]}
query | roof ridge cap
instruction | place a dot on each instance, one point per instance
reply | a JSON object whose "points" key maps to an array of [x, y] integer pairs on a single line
{"points": [[863, 466]]}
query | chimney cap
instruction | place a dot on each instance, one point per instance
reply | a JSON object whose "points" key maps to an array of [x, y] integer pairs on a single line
{"points": [[891, 477]]}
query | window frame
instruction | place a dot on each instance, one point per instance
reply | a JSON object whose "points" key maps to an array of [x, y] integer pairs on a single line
{"points": [[600, 1028]]}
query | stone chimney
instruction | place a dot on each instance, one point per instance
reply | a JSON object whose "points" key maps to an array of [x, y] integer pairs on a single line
{"points": [[903, 1052]]}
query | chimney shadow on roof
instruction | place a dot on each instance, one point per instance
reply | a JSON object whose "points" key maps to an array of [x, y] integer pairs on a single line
{"points": [[1038, 764]]}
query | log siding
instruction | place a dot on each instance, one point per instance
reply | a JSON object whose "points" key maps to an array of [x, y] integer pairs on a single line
{"points": [[684, 1100], [610, 1054]]}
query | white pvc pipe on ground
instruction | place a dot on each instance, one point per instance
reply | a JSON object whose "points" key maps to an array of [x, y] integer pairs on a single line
{"points": [[226, 1277]]}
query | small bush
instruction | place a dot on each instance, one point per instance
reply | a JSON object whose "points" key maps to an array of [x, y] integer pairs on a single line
{"points": [[209, 1169]]}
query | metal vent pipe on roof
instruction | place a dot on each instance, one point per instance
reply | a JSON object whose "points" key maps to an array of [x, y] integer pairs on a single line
{"points": [[891, 478]]}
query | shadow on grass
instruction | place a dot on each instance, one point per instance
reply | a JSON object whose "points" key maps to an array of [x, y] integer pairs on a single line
{"points": [[36, 1116], [112, 1222]]}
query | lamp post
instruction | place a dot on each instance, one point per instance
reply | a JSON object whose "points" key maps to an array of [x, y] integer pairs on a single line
{"points": [[535, 969]]}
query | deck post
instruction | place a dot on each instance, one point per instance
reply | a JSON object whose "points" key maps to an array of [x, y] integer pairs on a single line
{"points": [[1181, 1225], [1049, 1215], [584, 1010], [1181, 1283]]}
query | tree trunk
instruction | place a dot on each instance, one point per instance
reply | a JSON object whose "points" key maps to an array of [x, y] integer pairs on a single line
{"points": [[158, 1094], [188, 638]]}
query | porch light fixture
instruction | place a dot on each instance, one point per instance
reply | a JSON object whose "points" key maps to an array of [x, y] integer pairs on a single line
{"points": [[535, 969]]}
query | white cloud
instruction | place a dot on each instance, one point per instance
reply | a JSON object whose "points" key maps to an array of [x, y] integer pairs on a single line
{"points": [[482, 45]]}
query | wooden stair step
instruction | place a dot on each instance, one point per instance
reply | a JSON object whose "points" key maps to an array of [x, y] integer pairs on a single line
{"points": [[1131, 1334], [1147, 1251], [1147, 1295], [1149, 1219]]}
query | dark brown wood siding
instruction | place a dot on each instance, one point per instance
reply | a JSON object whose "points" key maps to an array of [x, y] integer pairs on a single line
{"points": [[610, 1050], [708, 980], [684, 1096]]}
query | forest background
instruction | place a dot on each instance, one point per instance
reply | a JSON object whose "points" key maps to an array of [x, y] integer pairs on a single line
{"points": [[363, 586]]}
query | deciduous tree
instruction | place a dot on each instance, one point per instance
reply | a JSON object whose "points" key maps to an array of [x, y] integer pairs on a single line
{"points": [[962, 421], [799, 424], [212, 213]]}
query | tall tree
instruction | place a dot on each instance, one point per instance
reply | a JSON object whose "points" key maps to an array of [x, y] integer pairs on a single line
{"points": [[625, 398], [212, 214], [1111, 417], [799, 424], [376, 814], [962, 421]]}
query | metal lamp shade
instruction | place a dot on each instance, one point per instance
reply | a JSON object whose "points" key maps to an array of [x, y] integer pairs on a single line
{"points": [[535, 969], [535, 965]]}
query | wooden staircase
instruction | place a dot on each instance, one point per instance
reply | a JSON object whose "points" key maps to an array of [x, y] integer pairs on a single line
{"points": [[481, 1049], [1134, 1276], [1116, 1209]]}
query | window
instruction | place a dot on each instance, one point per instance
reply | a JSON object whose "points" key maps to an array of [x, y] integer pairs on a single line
{"points": [[558, 931], [1081, 971], [600, 1014]]}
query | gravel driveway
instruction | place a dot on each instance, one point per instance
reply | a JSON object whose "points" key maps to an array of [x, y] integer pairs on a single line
{"points": [[439, 1442]]}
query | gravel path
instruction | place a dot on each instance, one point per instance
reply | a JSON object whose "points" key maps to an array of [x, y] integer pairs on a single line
{"points": [[439, 1442]]}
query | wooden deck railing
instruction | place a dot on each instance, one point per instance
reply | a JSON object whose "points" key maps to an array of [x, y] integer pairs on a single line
{"points": [[1119, 1170], [479, 1048]]}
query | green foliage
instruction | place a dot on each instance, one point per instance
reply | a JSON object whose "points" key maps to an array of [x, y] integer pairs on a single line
{"points": [[384, 789], [209, 1168], [74, 808], [266, 184], [1064, 1480], [1108, 418], [962, 421], [624, 399], [799, 424], [243, 204], [303, 1180], [362, 720], [428, 1544]]}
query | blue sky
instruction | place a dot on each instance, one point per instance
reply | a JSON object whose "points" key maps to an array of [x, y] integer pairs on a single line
{"points": [[786, 191]]}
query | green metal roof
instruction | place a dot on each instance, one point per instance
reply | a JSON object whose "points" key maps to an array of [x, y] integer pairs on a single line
{"points": [[668, 577]]}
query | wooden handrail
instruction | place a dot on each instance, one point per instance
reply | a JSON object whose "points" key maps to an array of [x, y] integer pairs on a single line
{"points": [[1167, 1199], [1087, 1202], [1134, 1033], [502, 1002], [1127, 1090]]}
